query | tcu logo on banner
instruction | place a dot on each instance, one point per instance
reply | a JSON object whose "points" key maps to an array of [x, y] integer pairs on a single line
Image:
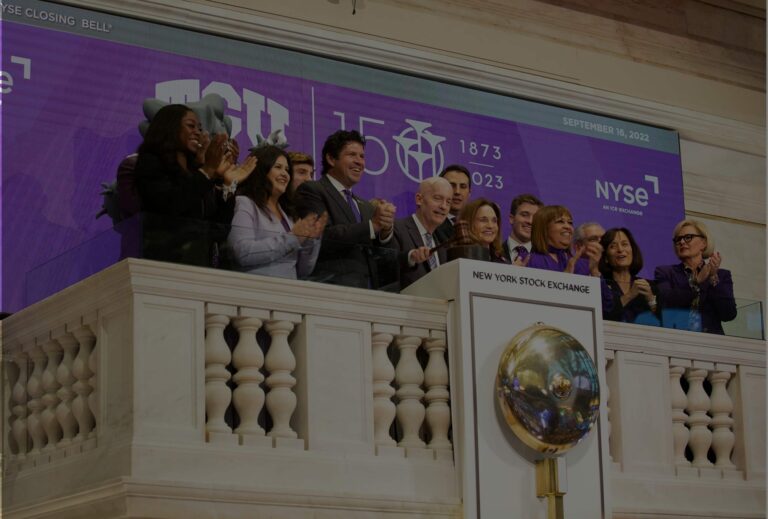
{"points": [[420, 146], [188, 90]]}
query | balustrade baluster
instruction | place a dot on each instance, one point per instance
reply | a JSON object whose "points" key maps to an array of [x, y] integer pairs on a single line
{"points": [[248, 396], [48, 417], [438, 412], [697, 407], [217, 357], [383, 374], [679, 400], [35, 403], [93, 398], [606, 394], [82, 387], [66, 394], [11, 378], [723, 438], [409, 377], [19, 397], [280, 363]]}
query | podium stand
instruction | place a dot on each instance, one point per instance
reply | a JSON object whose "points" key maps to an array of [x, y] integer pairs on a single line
{"points": [[488, 304]]}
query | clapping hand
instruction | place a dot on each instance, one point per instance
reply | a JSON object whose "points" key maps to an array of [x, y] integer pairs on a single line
{"points": [[709, 271], [311, 226], [217, 157], [383, 218], [641, 287], [238, 173], [571, 265]]}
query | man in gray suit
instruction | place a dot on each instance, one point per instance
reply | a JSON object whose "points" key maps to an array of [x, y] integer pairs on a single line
{"points": [[415, 234], [358, 234]]}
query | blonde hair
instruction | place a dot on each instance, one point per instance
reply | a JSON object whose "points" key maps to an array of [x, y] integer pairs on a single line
{"points": [[700, 229], [541, 221]]}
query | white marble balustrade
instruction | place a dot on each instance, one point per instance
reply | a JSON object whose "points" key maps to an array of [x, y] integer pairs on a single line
{"points": [[122, 398], [687, 415], [53, 381], [185, 381], [422, 396]]}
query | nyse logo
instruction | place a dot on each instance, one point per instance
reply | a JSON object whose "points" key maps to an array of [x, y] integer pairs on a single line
{"points": [[420, 147], [626, 193], [250, 104]]}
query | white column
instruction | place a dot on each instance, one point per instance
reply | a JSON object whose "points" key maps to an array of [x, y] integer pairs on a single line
{"points": [[50, 399], [438, 412], [217, 357], [248, 396], [65, 393], [723, 438], [383, 374], [19, 409], [679, 401], [280, 363], [409, 377], [698, 405], [82, 372], [35, 403]]}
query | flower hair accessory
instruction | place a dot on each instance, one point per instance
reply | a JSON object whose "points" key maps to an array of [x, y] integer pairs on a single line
{"points": [[276, 138]]}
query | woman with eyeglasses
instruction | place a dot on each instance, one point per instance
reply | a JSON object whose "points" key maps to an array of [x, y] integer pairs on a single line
{"points": [[696, 293], [634, 299]]}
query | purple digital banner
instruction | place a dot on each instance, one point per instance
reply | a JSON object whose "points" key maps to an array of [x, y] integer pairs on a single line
{"points": [[72, 113]]}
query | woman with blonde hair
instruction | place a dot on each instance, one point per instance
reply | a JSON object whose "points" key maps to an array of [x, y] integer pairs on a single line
{"points": [[696, 293]]}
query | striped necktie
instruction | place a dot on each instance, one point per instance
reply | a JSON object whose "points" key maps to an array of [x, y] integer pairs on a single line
{"points": [[430, 243]]}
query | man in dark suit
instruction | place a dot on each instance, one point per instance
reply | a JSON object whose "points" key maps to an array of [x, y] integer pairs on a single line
{"points": [[517, 246], [415, 234], [357, 241], [461, 183]]}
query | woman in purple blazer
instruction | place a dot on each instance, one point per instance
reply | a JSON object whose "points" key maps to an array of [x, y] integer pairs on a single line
{"points": [[552, 248], [696, 294], [552, 243]]}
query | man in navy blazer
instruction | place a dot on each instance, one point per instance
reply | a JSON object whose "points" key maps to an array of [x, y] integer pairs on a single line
{"points": [[414, 234], [358, 234]]}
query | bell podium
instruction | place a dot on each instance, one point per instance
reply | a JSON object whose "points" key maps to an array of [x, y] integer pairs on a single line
{"points": [[489, 304]]}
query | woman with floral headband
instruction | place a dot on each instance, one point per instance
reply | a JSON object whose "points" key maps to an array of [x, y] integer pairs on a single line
{"points": [[185, 182]]}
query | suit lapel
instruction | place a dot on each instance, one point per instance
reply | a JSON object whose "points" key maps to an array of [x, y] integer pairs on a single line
{"points": [[413, 233], [418, 241], [339, 200]]}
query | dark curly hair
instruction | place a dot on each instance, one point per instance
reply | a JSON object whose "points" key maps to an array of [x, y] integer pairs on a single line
{"points": [[336, 142], [637, 257], [257, 186], [162, 136]]}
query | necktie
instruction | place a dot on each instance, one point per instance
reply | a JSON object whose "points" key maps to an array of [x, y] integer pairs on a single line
{"points": [[522, 252], [430, 243], [353, 205]]}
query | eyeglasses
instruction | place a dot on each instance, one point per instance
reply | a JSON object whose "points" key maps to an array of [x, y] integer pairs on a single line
{"points": [[677, 240]]}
